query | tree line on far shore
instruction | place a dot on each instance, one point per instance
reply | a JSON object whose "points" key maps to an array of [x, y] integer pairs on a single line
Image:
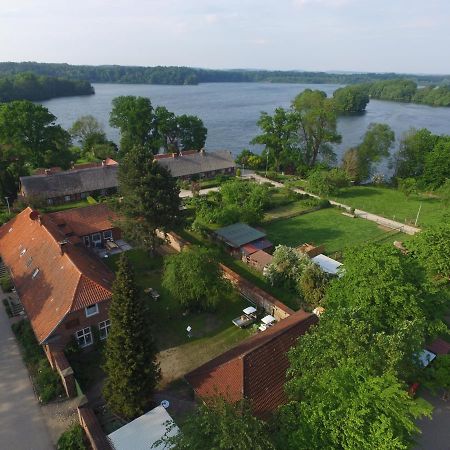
{"points": [[28, 86]]}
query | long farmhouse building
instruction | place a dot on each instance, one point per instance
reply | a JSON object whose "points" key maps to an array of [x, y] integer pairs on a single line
{"points": [[202, 164], [56, 186]]}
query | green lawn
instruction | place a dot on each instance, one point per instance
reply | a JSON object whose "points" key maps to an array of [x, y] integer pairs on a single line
{"points": [[393, 204], [212, 333], [65, 206], [328, 227]]}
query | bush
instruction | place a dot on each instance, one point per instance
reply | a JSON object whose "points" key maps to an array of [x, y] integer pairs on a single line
{"points": [[238, 172], [47, 382], [72, 439], [91, 200], [6, 284], [7, 307], [32, 351]]}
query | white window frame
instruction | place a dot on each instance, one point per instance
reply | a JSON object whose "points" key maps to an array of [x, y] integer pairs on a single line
{"points": [[94, 241], [84, 337], [67, 198], [87, 241], [108, 234], [92, 313], [104, 327]]}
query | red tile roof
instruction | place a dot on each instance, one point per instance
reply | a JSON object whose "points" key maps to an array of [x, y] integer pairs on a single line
{"points": [[66, 277], [255, 369], [439, 347], [86, 220]]}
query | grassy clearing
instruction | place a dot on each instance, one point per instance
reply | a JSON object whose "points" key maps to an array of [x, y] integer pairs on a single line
{"points": [[330, 228], [65, 206], [212, 332], [286, 211], [393, 204]]}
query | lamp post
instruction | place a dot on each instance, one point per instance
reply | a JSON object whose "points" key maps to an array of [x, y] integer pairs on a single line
{"points": [[7, 202]]}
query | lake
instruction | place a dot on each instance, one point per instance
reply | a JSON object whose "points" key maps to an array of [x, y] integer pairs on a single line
{"points": [[230, 110]]}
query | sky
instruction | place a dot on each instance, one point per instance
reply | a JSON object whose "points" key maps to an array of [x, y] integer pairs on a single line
{"points": [[408, 36]]}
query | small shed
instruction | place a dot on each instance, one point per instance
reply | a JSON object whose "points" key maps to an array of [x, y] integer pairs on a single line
{"points": [[260, 260], [327, 264], [141, 433]]}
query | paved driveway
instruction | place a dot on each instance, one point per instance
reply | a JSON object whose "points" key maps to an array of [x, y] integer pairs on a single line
{"points": [[435, 432], [22, 425]]}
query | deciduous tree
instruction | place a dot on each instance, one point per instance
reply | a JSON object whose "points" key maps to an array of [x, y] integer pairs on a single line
{"points": [[316, 120], [193, 277], [133, 116], [130, 354], [220, 425]]}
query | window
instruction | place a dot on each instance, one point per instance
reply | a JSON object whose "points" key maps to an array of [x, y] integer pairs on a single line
{"points": [[83, 195], [35, 274], [87, 241], [91, 310], [50, 201], [96, 237], [67, 198], [104, 328], [84, 337], [107, 234]]}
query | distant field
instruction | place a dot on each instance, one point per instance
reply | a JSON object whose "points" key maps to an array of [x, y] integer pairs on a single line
{"points": [[393, 204], [330, 228]]}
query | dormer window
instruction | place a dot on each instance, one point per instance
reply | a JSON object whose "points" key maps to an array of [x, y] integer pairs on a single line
{"points": [[91, 310], [35, 273], [23, 251]]}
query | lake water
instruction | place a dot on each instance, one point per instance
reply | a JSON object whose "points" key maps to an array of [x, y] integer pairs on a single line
{"points": [[230, 110]]}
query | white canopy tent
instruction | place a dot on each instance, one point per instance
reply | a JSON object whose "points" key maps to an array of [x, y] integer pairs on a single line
{"points": [[141, 433], [249, 310], [267, 320]]}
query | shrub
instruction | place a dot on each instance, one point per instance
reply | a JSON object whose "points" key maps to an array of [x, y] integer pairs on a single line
{"points": [[32, 352], [47, 382], [91, 200], [238, 172], [6, 284], [72, 439]]}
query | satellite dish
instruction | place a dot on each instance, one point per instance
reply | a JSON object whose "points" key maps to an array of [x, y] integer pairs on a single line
{"points": [[165, 404], [34, 215], [189, 329]]}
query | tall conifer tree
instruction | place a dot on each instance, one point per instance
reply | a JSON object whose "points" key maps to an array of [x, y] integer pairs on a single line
{"points": [[130, 356]]}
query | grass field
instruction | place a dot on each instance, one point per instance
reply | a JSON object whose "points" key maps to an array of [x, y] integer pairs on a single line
{"points": [[330, 228], [393, 204], [212, 333]]}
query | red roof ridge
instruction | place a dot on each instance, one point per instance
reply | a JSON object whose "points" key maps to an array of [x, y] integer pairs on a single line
{"points": [[261, 339]]}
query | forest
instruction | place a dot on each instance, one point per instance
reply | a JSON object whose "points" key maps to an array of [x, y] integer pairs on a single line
{"points": [[28, 86], [188, 75]]}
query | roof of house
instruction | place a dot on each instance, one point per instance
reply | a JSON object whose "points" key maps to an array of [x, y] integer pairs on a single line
{"points": [[439, 347], [192, 163], [256, 368], [261, 257], [86, 220], [52, 170], [70, 182], [52, 276], [143, 432], [327, 264], [239, 234]]}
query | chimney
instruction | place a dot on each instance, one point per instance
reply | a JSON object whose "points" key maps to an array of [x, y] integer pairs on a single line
{"points": [[48, 172], [104, 162], [202, 151], [62, 244], [174, 155]]}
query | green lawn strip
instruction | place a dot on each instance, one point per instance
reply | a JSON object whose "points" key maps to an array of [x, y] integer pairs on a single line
{"points": [[65, 206], [289, 210], [327, 227], [393, 204]]}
